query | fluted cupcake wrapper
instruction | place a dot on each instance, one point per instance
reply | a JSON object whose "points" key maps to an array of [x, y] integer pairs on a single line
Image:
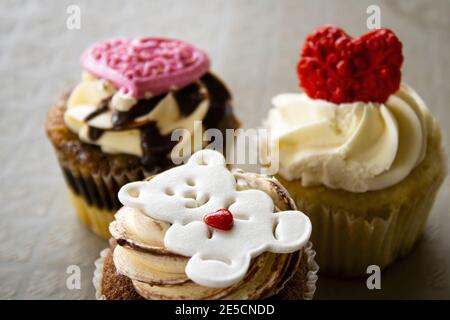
{"points": [[98, 274], [94, 194], [346, 245], [311, 276], [310, 282]]}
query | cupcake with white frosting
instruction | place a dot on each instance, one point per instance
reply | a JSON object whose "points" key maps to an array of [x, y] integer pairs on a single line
{"points": [[116, 125], [359, 151], [201, 231]]}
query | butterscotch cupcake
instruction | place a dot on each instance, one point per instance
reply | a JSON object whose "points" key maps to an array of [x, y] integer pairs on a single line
{"points": [[122, 122], [359, 151], [201, 231]]}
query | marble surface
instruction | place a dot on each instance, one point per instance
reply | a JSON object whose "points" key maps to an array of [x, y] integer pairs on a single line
{"points": [[254, 46]]}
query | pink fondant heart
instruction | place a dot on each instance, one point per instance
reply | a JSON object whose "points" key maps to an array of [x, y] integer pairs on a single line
{"points": [[146, 66]]}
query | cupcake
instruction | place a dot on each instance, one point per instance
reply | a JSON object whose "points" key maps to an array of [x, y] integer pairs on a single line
{"points": [[358, 151], [201, 231], [116, 125]]}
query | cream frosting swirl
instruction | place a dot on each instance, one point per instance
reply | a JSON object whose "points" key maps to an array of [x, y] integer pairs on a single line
{"points": [[87, 97], [356, 147]]}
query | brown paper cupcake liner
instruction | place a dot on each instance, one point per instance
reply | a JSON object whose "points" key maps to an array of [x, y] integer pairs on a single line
{"points": [[94, 195]]}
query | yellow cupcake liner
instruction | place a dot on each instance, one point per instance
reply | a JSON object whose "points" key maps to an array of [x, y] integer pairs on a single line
{"points": [[96, 219], [346, 245]]}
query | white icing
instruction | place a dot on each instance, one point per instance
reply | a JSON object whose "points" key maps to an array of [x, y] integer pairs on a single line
{"points": [[183, 195], [356, 147], [122, 102]]}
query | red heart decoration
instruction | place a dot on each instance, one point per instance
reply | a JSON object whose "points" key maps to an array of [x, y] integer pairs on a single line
{"points": [[221, 219], [337, 68]]}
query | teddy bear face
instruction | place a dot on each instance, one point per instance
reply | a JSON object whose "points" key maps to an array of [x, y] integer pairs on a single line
{"points": [[184, 196]]}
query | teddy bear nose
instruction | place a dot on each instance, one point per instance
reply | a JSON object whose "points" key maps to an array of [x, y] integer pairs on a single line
{"points": [[221, 219]]}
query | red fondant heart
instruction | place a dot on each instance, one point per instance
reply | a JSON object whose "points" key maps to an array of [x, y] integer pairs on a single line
{"points": [[221, 219], [337, 68]]}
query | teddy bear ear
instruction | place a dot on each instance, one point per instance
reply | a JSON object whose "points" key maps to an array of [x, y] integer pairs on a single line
{"points": [[131, 194], [207, 157]]}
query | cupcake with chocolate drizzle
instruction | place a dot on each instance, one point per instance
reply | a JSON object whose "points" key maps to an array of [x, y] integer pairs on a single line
{"points": [[116, 125]]}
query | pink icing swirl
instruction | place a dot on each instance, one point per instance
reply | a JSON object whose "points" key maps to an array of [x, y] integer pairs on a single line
{"points": [[146, 66]]}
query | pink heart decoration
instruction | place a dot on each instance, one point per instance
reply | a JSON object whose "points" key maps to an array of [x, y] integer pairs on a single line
{"points": [[146, 67]]}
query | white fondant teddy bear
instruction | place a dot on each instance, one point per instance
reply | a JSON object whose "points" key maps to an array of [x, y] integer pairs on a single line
{"points": [[187, 195]]}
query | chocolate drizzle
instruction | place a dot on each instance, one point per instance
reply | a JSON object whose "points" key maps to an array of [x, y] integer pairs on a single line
{"points": [[156, 146], [103, 107], [219, 100], [95, 133], [188, 98], [122, 120]]}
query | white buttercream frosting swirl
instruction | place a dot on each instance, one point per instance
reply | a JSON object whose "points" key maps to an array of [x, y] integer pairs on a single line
{"points": [[356, 146]]}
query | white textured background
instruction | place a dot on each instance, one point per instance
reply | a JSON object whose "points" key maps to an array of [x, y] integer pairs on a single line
{"points": [[254, 46]]}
